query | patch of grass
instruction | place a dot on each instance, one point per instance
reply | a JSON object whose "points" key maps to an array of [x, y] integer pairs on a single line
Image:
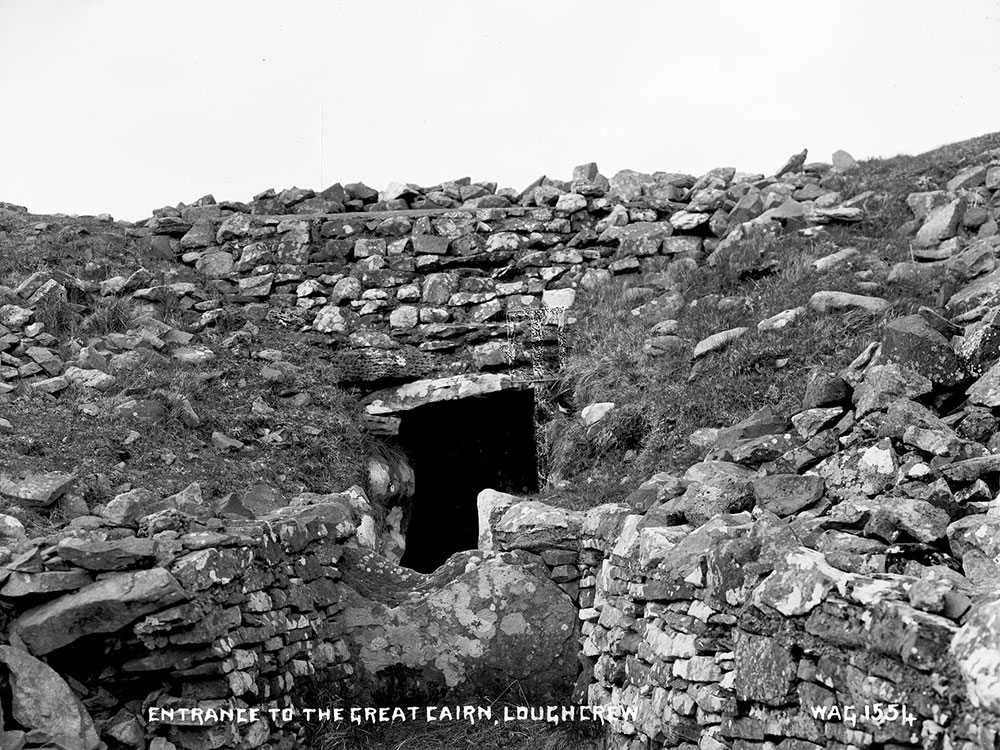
{"points": [[895, 178], [110, 315], [68, 244], [314, 445], [662, 400], [230, 319], [60, 317]]}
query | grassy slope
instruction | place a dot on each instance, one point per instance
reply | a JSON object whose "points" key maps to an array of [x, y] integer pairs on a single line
{"points": [[658, 407], [321, 445]]}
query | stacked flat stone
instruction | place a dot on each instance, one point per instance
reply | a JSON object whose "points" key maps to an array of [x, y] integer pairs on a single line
{"points": [[840, 558], [201, 619], [452, 274]]}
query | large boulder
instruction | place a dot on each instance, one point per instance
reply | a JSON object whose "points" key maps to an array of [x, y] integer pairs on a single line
{"points": [[479, 623], [885, 384], [975, 533], [986, 390], [44, 705], [630, 185], [765, 669], [717, 341], [976, 648], [970, 177], [983, 291], [794, 163], [911, 343], [825, 389], [713, 488], [843, 161], [786, 494], [799, 584], [658, 488], [36, 490], [535, 526], [824, 302], [676, 553], [491, 505], [105, 606], [941, 223], [99, 554], [761, 423], [644, 237]]}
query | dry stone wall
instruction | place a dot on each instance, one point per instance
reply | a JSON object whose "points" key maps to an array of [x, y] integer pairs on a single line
{"points": [[154, 628], [420, 282], [741, 634], [825, 579], [737, 635], [183, 632]]}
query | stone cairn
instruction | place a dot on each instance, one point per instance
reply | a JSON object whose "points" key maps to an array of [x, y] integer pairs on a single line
{"points": [[415, 282], [745, 604]]}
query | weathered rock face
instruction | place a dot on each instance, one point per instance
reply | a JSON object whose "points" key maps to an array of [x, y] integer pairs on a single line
{"points": [[941, 223], [101, 607], [478, 623], [98, 555], [44, 705], [536, 526], [911, 343], [490, 506], [784, 494], [976, 648], [38, 490], [714, 487], [768, 669]]}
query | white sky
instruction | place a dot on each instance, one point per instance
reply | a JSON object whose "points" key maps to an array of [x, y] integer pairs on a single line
{"points": [[123, 106]]}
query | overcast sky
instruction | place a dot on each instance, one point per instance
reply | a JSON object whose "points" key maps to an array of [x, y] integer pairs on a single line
{"points": [[122, 106]]}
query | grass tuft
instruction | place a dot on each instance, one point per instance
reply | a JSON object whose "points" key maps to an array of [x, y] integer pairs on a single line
{"points": [[110, 315], [60, 317]]}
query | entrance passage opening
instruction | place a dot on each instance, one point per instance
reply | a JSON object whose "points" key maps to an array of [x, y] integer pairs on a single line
{"points": [[457, 449]]}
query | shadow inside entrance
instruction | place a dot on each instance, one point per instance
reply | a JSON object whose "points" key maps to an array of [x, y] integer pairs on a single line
{"points": [[457, 449]]}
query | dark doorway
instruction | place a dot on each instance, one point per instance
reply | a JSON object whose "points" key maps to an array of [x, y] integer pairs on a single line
{"points": [[456, 449]]}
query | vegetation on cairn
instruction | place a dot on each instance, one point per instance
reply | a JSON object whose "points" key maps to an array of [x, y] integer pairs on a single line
{"points": [[661, 401]]}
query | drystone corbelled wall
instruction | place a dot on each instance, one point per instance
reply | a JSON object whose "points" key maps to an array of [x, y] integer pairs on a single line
{"points": [[204, 639], [414, 283], [157, 622], [430, 282], [741, 634]]}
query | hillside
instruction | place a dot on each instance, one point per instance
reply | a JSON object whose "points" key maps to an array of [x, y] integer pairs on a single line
{"points": [[94, 250]]}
